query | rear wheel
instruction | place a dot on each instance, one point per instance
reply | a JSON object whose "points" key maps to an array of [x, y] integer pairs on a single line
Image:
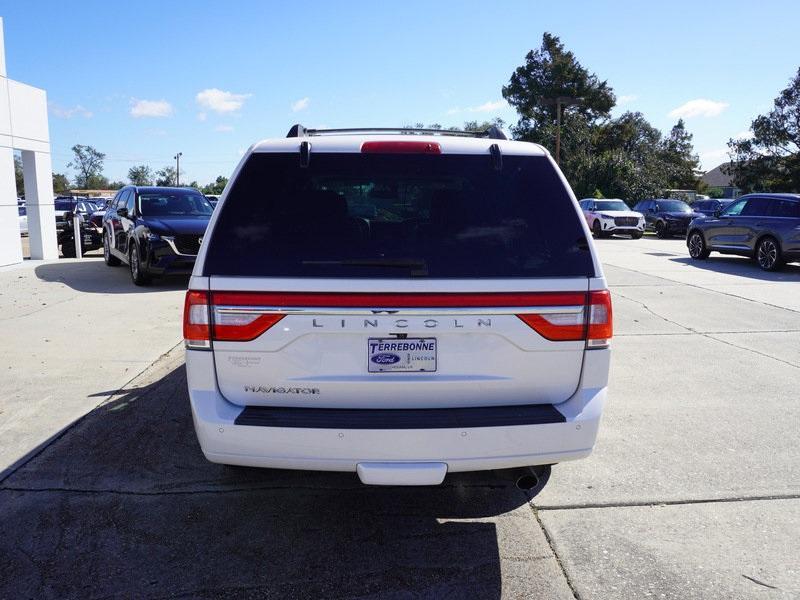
{"points": [[111, 260], [697, 246], [637, 235], [661, 230], [768, 254], [68, 247], [137, 274]]}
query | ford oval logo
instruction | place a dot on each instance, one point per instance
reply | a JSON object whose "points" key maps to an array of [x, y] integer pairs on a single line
{"points": [[385, 358]]}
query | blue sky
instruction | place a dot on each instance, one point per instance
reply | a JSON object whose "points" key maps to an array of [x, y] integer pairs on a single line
{"points": [[141, 81]]}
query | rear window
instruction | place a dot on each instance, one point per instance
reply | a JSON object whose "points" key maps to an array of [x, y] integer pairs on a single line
{"points": [[398, 216]]}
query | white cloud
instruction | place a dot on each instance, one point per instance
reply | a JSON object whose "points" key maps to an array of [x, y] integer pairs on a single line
{"points": [[221, 101], [711, 158], [700, 107], [301, 104], [150, 108], [67, 113], [223, 128], [486, 107], [627, 99]]}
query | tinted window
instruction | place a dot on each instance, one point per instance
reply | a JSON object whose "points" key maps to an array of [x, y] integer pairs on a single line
{"points": [[756, 207], [22, 211], [734, 209], [123, 199], [372, 215], [785, 208], [673, 206], [65, 205], [175, 203], [610, 205]]}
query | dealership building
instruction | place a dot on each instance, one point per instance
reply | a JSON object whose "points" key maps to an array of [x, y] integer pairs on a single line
{"points": [[24, 128]]}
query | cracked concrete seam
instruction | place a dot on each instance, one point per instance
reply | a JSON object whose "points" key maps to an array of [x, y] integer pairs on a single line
{"points": [[710, 336]]}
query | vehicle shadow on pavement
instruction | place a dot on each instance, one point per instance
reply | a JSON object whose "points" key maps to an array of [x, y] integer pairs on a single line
{"points": [[124, 504], [741, 266], [92, 275]]}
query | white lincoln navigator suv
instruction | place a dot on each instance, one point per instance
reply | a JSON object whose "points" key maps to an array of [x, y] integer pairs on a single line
{"points": [[397, 303]]}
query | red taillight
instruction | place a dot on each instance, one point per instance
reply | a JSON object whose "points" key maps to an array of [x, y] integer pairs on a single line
{"points": [[196, 329], [401, 148], [233, 322], [592, 322], [242, 327], [601, 319]]}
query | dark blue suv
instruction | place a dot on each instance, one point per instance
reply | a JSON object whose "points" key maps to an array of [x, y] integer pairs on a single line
{"points": [[765, 227], [155, 230]]}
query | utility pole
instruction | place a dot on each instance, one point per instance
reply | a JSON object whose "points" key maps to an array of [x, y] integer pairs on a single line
{"points": [[560, 102], [178, 168]]}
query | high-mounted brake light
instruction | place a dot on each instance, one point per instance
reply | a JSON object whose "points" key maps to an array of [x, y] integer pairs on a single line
{"points": [[590, 321], [401, 148], [196, 329]]}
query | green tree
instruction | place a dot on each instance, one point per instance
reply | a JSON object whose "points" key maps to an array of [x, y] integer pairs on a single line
{"points": [[770, 160], [140, 175], [19, 178], [88, 163], [681, 161], [115, 185], [216, 187], [166, 176], [550, 72], [60, 183]]}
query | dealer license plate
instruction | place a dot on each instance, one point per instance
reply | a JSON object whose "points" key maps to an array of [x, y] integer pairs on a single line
{"points": [[392, 355]]}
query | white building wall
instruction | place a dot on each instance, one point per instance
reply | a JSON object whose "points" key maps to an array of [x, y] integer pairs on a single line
{"points": [[24, 126]]}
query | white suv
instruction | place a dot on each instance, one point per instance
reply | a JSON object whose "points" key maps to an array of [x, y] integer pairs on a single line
{"points": [[397, 303], [609, 217]]}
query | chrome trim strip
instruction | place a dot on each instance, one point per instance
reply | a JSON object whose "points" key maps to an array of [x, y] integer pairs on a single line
{"points": [[171, 241], [391, 312]]}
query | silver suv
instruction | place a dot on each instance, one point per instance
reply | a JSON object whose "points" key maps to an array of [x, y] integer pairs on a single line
{"points": [[401, 304]]}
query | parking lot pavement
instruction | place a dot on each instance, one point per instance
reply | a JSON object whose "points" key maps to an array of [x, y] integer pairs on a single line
{"points": [[693, 490], [126, 506], [73, 331]]}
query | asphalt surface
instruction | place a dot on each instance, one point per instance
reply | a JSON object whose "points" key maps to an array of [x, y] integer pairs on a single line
{"points": [[693, 490]]}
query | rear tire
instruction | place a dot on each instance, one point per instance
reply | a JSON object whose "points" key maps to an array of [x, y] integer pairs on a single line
{"points": [[661, 230], [110, 259], [137, 275], [637, 235], [768, 254], [597, 232], [68, 249], [697, 246]]}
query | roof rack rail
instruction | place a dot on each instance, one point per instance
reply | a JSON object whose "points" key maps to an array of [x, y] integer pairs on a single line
{"points": [[493, 133]]}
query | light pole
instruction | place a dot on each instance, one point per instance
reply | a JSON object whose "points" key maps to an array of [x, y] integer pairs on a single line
{"points": [[559, 102], [178, 168]]}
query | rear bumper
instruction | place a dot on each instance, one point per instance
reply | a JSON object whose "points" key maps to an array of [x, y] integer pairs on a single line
{"points": [[547, 435]]}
